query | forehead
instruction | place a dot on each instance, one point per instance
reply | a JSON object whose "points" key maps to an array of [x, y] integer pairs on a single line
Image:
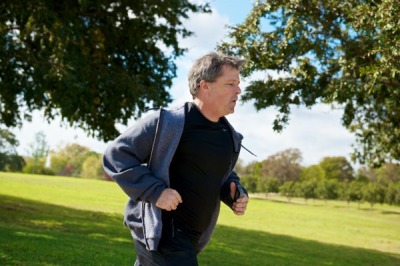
{"points": [[229, 72]]}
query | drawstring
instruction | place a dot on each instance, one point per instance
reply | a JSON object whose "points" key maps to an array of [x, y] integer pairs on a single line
{"points": [[248, 150]]}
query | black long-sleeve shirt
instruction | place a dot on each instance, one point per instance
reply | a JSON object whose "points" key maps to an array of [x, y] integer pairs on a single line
{"points": [[199, 164]]}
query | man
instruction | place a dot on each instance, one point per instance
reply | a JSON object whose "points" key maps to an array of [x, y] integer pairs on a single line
{"points": [[176, 166]]}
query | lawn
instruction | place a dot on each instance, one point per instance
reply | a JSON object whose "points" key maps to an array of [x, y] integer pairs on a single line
{"points": [[47, 220]]}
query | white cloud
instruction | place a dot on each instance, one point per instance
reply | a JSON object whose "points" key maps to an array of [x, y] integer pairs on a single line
{"points": [[316, 132], [209, 29]]}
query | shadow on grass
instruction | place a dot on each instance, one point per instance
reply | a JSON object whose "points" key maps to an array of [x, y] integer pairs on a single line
{"points": [[390, 212], [36, 233], [232, 246]]}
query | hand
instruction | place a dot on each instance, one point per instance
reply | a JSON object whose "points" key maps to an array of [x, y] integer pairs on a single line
{"points": [[240, 205], [169, 199]]}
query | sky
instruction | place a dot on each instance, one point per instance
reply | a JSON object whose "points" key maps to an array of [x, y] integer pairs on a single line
{"points": [[316, 132]]}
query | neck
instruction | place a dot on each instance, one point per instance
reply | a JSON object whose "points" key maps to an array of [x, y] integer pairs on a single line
{"points": [[201, 106]]}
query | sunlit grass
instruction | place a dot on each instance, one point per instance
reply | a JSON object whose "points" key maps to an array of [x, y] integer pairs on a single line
{"points": [[377, 229], [48, 220], [85, 194]]}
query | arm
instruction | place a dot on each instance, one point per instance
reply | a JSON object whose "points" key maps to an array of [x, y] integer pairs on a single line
{"points": [[125, 161]]}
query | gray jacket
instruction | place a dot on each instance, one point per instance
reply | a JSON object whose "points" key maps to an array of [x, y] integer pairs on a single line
{"points": [[138, 160]]}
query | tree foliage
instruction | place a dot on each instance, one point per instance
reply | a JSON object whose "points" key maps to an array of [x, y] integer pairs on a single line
{"points": [[94, 62], [92, 167], [337, 168], [39, 148], [327, 189], [373, 193], [388, 172], [313, 172], [68, 161], [393, 193], [284, 165], [37, 155], [9, 159], [345, 53], [8, 142], [288, 189]]}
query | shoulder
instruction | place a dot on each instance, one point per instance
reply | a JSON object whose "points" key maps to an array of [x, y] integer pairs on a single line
{"points": [[166, 115], [149, 119], [175, 109], [235, 134], [173, 113]]}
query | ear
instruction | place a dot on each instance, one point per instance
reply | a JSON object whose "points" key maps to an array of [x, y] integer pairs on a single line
{"points": [[203, 88], [203, 85]]}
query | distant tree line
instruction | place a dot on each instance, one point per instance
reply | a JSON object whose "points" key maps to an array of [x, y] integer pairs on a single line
{"points": [[71, 160], [332, 179]]}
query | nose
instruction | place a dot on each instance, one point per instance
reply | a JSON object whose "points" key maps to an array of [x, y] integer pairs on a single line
{"points": [[238, 90]]}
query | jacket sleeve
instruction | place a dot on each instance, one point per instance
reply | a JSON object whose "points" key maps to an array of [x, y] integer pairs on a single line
{"points": [[126, 157], [226, 190]]}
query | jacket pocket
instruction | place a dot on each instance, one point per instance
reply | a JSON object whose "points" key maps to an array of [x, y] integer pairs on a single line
{"points": [[152, 225], [133, 219]]}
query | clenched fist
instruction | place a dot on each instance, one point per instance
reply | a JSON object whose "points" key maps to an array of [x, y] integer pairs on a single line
{"points": [[169, 199], [240, 204]]}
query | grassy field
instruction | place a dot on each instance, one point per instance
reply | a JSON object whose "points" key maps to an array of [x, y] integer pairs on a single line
{"points": [[48, 220]]}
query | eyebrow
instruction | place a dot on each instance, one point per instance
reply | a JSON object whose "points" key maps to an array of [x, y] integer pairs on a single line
{"points": [[233, 80]]}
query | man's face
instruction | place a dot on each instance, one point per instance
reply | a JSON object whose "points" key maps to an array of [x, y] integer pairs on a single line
{"points": [[224, 92]]}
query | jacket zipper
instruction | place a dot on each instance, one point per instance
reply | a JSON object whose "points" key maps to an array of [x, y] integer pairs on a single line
{"points": [[148, 166], [144, 226]]}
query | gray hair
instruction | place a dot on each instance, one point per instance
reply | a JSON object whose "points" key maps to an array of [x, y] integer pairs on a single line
{"points": [[208, 68]]}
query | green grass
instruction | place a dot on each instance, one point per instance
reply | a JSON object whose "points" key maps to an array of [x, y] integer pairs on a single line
{"points": [[48, 220]]}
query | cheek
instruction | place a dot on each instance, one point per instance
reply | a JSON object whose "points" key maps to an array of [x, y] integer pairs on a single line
{"points": [[225, 97]]}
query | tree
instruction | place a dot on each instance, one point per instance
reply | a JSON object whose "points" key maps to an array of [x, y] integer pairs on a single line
{"points": [[307, 189], [392, 196], [9, 158], [352, 191], [271, 185], [67, 161], [250, 182], [94, 63], [284, 165], [337, 168], [288, 189], [373, 193], [321, 191], [250, 176], [38, 151], [327, 189], [388, 172], [365, 174], [240, 168], [92, 167], [313, 172], [344, 53], [8, 142], [253, 168]]}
